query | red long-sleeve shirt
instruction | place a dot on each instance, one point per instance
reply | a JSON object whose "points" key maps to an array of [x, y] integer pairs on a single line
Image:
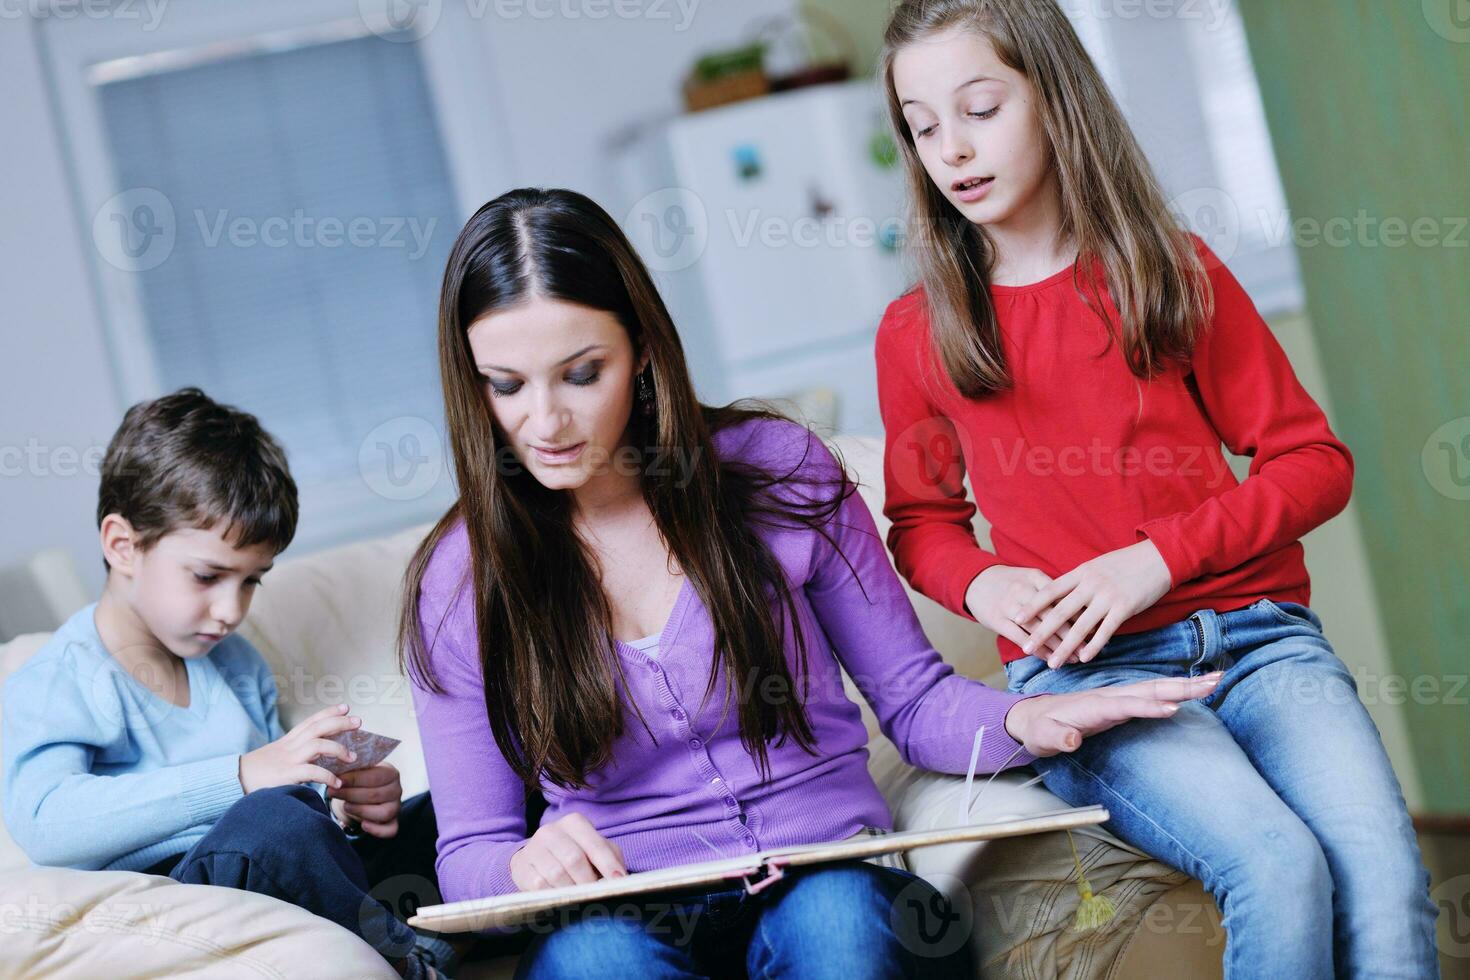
{"points": [[1080, 457]]}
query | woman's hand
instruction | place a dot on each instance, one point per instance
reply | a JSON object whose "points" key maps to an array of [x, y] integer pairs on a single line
{"points": [[370, 799], [1052, 723], [568, 851], [292, 757], [996, 596], [1096, 598]]}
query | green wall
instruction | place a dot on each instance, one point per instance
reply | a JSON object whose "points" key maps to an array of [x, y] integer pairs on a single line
{"points": [[1366, 103], [863, 21]]}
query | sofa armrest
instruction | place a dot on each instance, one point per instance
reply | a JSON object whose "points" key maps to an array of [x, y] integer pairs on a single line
{"points": [[1018, 896]]}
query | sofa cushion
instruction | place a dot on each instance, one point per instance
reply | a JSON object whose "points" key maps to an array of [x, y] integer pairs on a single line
{"points": [[12, 655], [83, 924]]}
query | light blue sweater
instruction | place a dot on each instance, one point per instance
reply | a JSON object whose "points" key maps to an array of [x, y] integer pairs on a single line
{"points": [[101, 773]]}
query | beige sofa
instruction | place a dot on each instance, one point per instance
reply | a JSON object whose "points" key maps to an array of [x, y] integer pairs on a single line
{"points": [[325, 622]]}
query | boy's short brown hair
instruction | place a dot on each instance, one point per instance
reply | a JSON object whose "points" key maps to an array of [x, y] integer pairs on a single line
{"points": [[184, 460]]}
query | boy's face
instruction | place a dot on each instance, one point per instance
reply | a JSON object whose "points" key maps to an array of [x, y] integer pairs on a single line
{"points": [[192, 588]]}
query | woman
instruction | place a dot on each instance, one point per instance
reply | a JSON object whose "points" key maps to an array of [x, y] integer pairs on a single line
{"points": [[640, 607]]}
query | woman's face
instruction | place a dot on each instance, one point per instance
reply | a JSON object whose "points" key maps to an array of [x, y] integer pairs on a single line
{"points": [[974, 124], [559, 380]]}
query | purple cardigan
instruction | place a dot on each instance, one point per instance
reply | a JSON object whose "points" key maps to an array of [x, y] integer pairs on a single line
{"points": [[657, 800]]}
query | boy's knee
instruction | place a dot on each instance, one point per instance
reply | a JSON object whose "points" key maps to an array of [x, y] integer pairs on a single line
{"points": [[281, 808]]}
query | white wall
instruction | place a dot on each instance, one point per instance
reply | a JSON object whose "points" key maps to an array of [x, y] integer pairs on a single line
{"points": [[56, 385], [564, 86]]}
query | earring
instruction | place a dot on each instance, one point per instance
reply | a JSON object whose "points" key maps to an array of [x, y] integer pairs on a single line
{"points": [[645, 394]]}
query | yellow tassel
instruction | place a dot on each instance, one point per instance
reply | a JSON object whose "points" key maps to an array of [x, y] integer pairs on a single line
{"points": [[1093, 910]]}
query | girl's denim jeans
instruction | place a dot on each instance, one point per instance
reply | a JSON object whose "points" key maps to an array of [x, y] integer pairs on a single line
{"points": [[1275, 792]]}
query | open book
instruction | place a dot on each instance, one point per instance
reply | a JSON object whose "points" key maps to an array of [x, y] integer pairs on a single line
{"points": [[764, 866]]}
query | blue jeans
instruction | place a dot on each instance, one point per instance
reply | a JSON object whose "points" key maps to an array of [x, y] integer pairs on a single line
{"points": [[1274, 791], [284, 843], [847, 920]]}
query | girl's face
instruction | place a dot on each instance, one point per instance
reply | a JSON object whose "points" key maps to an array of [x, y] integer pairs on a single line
{"points": [[974, 124], [559, 380]]}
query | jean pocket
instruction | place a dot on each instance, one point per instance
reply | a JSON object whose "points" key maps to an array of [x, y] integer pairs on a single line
{"points": [[1293, 614]]}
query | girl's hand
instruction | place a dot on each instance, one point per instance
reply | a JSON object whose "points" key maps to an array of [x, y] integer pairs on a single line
{"points": [[370, 798], [1052, 723], [996, 596], [1096, 597], [289, 759], [568, 851]]}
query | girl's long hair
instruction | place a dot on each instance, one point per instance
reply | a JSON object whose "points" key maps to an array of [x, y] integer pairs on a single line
{"points": [[551, 675], [1113, 209]]}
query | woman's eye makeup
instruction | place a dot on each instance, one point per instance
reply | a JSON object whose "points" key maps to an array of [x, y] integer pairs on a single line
{"points": [[584, 376], [985, 114], [204, 579]]}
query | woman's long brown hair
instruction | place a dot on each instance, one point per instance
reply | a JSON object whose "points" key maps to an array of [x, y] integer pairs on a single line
{"points": [[551, 674], [1113, 209]]}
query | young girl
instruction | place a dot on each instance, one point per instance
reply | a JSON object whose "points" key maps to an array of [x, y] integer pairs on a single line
{"points": [[639, 607], [1082, 359]]}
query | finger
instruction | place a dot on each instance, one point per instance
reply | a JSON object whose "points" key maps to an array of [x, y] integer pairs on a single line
{"points": [[1167, 688], [1031, 626], [1082, 626], [380, 775], [1064, 611], [1047, 595], [1008, 629], [389, 829], [1050, 735], [374, 812], [366, 794], [572, 858], [331, 725], [1098, 714], [316, 774], [332, 750], [334, 710], [1038, 578], [598, 849], [1101, 637], [546, 865]]}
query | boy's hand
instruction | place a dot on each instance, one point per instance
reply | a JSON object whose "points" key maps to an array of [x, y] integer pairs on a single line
{"points": [[1096, 597], [371, 798], [288, 760]]}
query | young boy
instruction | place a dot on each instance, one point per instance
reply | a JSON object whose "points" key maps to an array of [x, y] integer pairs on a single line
{"points": [[145, 737]]}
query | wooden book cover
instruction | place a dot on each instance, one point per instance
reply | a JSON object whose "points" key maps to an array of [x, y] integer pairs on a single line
{"points": [[519, 907]]}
